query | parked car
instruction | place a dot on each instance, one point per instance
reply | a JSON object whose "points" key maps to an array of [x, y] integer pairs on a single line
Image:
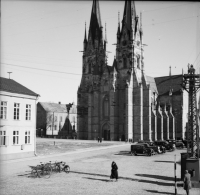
{"points": [[165, 144], [156, 149], [176, 143], [140, 149], [151, 143]]}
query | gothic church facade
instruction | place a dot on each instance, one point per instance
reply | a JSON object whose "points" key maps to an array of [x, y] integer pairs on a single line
{"points": [[120, 102]]}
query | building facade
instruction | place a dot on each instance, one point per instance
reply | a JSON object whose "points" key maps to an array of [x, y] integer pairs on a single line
{"points": [[17, 120], [120, 102], [53, 120]]}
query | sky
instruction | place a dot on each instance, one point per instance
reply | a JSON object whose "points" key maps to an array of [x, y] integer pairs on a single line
{"points": [[41, 41]]}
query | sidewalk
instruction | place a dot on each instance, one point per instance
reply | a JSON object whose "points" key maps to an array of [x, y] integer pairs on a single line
{"points": [[63, 154]]}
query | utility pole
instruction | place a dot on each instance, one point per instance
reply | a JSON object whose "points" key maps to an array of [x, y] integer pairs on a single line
{"points": [[191, 84], [52, 124]]}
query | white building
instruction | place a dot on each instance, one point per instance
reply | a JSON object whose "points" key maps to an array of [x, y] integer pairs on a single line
{"points": [[17, 120], [54, 121]]}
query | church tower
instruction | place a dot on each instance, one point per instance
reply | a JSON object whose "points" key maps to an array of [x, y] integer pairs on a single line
{"points": [[94, 49], [114, 101]]}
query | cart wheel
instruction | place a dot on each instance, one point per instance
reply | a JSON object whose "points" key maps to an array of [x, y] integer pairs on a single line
{"points": [[34, 173], [46, 173], [57, 169], [67, 169]]}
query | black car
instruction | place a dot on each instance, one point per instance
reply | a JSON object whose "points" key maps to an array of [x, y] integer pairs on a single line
{"points": [[140, 149], [156, 149], [159, 150], [165, 144], [177, 143]]}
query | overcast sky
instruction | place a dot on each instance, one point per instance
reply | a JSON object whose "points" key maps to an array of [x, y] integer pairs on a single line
{"points": [[41, 41]]}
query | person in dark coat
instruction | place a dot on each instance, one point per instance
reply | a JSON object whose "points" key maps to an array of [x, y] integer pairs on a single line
{"points": [[114, 171], [187, 182]]}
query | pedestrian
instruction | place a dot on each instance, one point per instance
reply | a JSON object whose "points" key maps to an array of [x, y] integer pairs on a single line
{"points": [[114, 171], [187, 182], [98, 139]]}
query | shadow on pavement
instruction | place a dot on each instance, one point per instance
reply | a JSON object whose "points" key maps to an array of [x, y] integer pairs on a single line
{"points": [[106, 180], [157, 192], [158, 177], [131, 179], [125, 153], [167, 161]]}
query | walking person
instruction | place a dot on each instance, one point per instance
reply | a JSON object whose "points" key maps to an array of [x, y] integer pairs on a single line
{"points": [[187, 182], [114, 171], [98, 140]]}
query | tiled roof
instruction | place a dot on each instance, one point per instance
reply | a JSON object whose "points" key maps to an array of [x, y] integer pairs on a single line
{"points": [[54, 107], [12, 86], [164, 83]]}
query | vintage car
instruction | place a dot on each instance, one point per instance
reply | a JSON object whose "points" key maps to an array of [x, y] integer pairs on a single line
{"points": [[141, 149], [177, 143], [156, 149], [165, 144]]}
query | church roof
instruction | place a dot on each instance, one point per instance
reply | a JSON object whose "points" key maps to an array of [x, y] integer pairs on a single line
{"points": [[12, 86], [152, 83], [164, 83]]}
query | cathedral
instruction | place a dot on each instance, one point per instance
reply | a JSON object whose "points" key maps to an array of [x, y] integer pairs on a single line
{"points": [[120, 102]]}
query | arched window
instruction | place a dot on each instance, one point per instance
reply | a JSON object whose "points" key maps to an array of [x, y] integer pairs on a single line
{"points": [[106, 107], [138, 61], [89, 68], [125, 62]]}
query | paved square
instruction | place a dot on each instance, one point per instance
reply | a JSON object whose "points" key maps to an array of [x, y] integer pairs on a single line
{"points": [[90, 172]]}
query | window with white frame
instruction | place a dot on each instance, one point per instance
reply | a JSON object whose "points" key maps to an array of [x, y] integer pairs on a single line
{"points": [[28, 112], [16, 111], [55, 127], [15, 137], [27, 137], [55, 119], [2, 138], [3, 110], [60, 118]]}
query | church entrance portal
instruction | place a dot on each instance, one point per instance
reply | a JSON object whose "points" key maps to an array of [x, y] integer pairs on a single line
{"points": [[106, 132]]}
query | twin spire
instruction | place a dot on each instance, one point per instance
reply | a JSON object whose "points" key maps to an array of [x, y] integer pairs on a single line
{"points": [[130, 21]]}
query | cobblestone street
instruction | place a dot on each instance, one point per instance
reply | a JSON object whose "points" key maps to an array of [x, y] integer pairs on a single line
{"points": [[90, 171]]}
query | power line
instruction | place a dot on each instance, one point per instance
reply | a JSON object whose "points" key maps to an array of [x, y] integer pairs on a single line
{"points": [[164, 8], [43, 63], [40, 69], [196, 58], [171, 20]]}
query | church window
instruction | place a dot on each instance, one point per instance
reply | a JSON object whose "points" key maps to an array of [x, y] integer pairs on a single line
{"points": [[138, 61], [89, 68], [125, 62], [105, 107]]}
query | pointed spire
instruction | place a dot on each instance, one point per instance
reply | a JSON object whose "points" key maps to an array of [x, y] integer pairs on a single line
{"points": [[95, 21], [129, 16], [170, 88], [105, 34], [85, 39], [141, 30]]}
